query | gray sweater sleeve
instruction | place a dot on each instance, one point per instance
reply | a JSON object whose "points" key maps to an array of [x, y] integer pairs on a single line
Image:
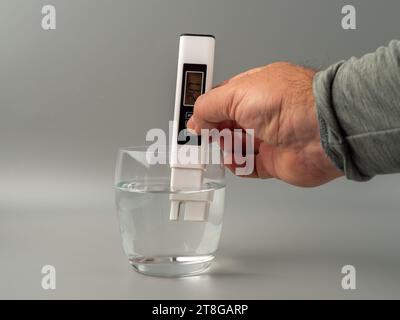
{"points": [[358, 107]]}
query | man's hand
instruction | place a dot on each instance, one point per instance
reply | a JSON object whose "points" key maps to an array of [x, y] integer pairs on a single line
{"points": [[277, 102]]}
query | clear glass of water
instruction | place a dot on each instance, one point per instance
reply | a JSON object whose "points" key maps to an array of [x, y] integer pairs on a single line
{"points": [[155, 244]]}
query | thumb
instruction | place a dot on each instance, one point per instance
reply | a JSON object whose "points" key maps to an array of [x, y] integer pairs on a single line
{"points": [[212, 108]]}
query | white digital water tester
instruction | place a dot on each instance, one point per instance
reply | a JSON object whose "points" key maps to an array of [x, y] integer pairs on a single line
{"points": [[194, 77]]}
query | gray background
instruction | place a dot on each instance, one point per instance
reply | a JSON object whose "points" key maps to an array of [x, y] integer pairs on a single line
{"points": [[70, 98]]}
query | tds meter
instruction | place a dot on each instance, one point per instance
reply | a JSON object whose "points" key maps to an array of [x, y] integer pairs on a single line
{"points": [[194, 77]]}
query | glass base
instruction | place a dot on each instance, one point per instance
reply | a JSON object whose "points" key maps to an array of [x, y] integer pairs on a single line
{"points": [[171, 266]]}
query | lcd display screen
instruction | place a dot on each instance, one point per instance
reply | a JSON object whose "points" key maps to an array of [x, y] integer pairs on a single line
{"points": [[193, 87]]}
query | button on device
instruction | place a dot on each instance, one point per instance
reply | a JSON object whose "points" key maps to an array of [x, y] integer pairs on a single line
{"points": [[188, 115]]}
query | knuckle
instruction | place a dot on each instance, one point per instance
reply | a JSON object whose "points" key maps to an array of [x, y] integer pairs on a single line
{"points": [[200, 101]]}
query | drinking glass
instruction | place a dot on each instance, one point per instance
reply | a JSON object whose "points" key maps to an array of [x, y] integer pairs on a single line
{"points": [[155, 244]]}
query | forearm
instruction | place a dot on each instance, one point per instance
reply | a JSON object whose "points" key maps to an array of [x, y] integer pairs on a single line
{"points": [[358, 106]]}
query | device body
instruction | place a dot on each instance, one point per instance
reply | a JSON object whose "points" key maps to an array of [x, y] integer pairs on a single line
{"points": [[194, 77]]}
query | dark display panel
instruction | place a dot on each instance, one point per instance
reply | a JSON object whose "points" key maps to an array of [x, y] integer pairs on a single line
{"points": [[193, 85]]}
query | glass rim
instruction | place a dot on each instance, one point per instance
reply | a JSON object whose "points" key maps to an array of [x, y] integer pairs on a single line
{"points": [[142, 148], [163, 149]]}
